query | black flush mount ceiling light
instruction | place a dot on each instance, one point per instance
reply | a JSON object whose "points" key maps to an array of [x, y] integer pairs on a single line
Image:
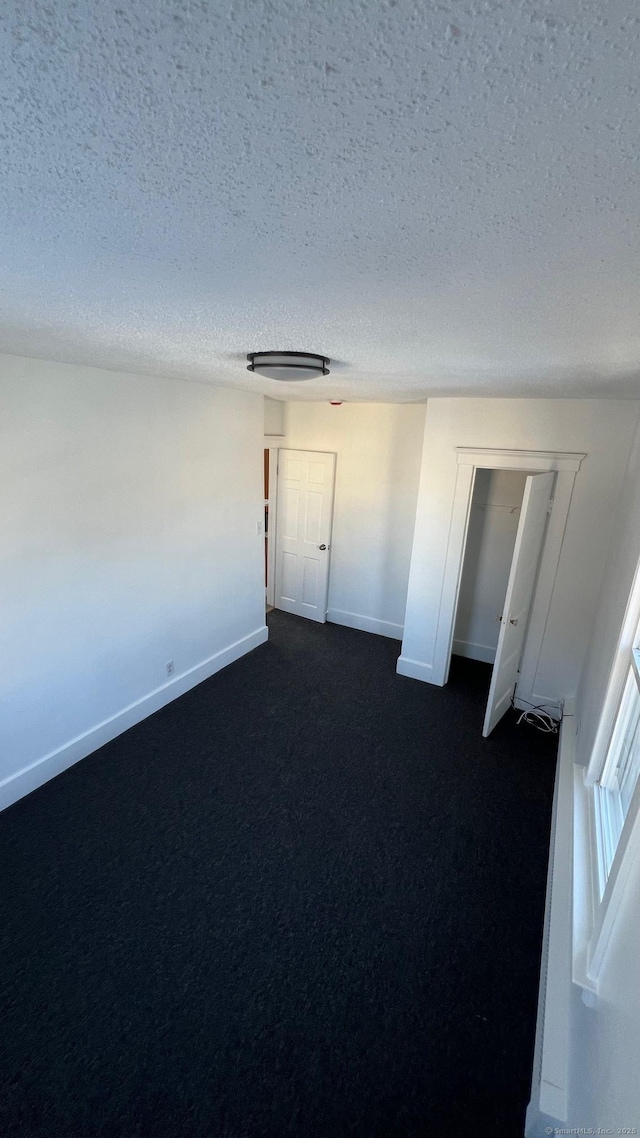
{"points": [[288, 366]]}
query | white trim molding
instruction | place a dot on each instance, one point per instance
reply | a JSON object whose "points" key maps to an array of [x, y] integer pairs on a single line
{"points": [[616, 682], [472, 651], [416, 670], [627, 852], [365, 623], [586, 898], [549, 1105], [554, 1071], [594, 909], [556, 708], [469, 459], [607, 842], [537, 460], [272, 502], [36, 774]]}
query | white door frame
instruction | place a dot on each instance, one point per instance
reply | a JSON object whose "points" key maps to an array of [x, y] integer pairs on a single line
{"points": [[275, 530], [273, 505], [517, 602], [471, 459]]}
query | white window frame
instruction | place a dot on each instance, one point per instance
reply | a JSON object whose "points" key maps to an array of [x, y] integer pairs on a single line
{"points": [[610, 813], [606, 843]]}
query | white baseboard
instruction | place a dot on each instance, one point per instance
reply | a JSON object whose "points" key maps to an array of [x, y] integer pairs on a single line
{"points": [[472, 651], [366, 623], [555, 707], [538, 1125], [415, 670], [549, 1104], [22, 782]]}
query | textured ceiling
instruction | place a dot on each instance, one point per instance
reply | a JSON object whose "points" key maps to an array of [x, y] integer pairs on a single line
{"points": [[444, 196]]}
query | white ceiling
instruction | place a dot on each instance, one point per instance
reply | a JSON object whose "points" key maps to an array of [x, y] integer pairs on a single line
{"points": [[443, 195]]}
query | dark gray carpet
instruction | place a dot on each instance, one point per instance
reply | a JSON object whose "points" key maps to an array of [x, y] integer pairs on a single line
{"points": [[304, 899]]}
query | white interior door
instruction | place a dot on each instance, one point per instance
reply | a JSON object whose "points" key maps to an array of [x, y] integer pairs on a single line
{"points": [[303, 531], [524, 566]]}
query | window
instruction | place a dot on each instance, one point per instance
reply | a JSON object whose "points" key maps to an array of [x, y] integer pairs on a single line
{"points": [[606, 808], [616, 786]]}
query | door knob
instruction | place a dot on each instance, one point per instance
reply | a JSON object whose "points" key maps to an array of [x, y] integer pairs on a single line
{"points": [[322, 547], [513, 622]]}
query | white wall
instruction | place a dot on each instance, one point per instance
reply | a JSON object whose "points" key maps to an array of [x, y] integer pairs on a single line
{"points": [[491, 538], [604, 1040], [129, 512], [274, 416], [601, 428], [624, 551], [379, 446]]}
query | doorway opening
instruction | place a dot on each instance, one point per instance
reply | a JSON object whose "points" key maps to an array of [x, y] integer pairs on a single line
{"points": [[563, 467], [491, 536], [506, 528], [304, 517]]}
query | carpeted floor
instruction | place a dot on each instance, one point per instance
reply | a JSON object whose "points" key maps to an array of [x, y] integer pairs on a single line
{"points": [[304, 899]]}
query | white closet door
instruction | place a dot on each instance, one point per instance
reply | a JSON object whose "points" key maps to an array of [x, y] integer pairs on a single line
{"points": [[303, 531], [524, 566]]}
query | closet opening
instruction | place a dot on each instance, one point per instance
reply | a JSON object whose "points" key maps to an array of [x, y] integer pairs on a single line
{"points": [[506, 528]]}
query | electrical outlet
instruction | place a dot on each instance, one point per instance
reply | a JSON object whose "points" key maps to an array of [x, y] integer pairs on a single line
{"points": [[170, 668]]}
